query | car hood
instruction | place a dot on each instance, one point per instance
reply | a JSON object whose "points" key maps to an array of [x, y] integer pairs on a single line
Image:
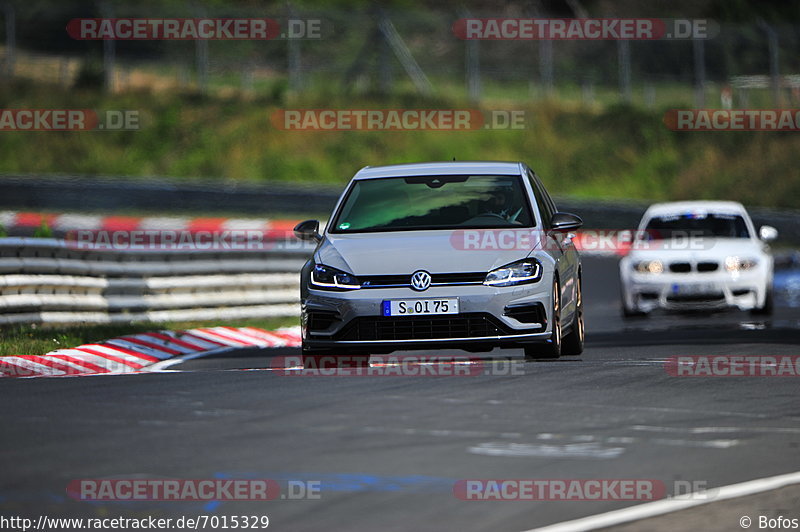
{"points": [[406, 252], [704, 249]]}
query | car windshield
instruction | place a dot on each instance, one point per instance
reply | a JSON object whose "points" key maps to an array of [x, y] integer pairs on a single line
{"points": [[434, 202], [718, 225]]}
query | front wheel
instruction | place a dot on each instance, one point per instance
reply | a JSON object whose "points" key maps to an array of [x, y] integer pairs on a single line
{"points": [[552, 349], [766, 309], [627, 312], [573, 342]]}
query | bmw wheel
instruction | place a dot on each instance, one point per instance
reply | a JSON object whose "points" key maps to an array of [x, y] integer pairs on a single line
{"points": [[766, 309]]}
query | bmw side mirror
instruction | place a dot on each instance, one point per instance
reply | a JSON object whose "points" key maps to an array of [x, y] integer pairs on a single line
{"points": [[308, 230], [564, 221], [767, 233]]}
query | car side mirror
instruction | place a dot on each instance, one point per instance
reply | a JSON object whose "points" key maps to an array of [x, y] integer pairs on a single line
{"points": [[767, 233], [564, 221], [308, 230]]}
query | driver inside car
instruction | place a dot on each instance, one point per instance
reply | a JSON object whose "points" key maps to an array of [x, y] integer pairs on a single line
{"points": [[499, 204]]}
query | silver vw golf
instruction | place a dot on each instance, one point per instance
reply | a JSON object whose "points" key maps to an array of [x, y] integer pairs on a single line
{"points": [[466, 255]]}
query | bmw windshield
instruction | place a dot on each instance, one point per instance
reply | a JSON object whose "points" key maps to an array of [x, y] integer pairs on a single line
{"points": [[433, 202], [717, 225]]}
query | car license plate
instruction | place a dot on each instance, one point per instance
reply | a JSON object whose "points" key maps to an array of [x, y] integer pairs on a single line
{"points": [[694, 289], [412, 307]]}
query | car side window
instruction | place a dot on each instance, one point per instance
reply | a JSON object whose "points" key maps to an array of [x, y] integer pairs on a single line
{"points": [[543, 200], [547, 197]]}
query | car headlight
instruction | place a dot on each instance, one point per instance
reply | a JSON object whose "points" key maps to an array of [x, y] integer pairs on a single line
{"points": [[649, 266], [523, 271], [736, 264], [332, 279]]}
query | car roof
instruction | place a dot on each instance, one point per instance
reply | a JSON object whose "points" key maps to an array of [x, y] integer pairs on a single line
{"points": [[442, 168], [679, 207]]}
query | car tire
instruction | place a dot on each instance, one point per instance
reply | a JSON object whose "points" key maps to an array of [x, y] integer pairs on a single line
{"points": [[628, 313], [766, 309], [552, 349], [572, 344]]}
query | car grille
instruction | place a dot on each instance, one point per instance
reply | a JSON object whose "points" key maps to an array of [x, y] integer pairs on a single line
{"points": [[696, 298], [685, 267], [437, 279], [707, 266], [680, 267], [383, 328]]}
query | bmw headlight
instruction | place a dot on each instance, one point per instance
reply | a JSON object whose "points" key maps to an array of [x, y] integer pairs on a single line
{"points": [[523, 271], [332, 279], [736, 264], [649, 266]]}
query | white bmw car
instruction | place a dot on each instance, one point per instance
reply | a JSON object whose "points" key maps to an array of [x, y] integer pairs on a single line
{"points": [[698, 255]]}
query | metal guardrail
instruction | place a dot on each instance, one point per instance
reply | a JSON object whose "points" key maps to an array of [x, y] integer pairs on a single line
{"points": [[53, 281], [115, 194]]}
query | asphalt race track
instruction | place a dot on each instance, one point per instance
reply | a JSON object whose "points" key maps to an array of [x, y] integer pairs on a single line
{"points": [[387, 451]]}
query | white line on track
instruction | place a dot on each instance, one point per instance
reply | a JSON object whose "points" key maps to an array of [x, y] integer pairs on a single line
{"points": [[569, 450], [652, 509], [716, 430]]}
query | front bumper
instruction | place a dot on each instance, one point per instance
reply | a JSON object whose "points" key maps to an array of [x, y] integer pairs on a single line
{"points": [[695, 291], [488, 317]]}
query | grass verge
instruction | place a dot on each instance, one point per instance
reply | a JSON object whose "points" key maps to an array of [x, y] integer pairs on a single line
{"points": [[611, 152]]}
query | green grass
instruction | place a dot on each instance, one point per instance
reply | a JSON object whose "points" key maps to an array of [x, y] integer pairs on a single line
{"points": [[603, 150], [38, 339]]}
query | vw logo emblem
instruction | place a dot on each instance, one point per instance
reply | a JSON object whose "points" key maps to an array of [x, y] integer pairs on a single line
{"points": [[420, 280]]}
